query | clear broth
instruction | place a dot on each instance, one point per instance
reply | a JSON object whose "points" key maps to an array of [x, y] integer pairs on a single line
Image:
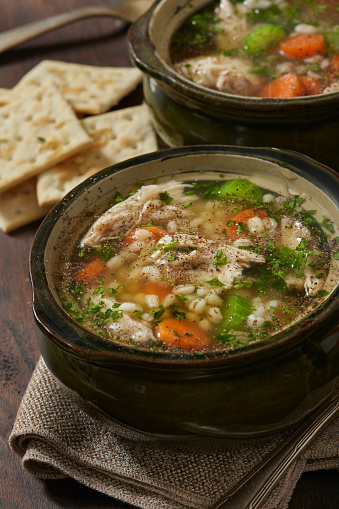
{"points": [[197, 266]]}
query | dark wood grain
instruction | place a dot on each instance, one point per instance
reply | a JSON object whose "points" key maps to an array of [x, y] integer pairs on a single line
{"points": [[95, 41]]}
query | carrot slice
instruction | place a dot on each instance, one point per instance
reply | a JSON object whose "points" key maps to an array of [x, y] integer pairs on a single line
{"points": [[183, 333], [287, 85], [159, 289], [91, 271], [311, 85], [303, 45], [232, 230], [156, 232]]}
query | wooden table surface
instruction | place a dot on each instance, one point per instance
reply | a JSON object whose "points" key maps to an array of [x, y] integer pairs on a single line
{"points": [[97, 42]]}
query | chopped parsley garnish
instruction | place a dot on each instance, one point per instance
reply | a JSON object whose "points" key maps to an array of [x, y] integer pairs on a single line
{"points": [[165, 197], [156, 345], [285, 259], [228, 53], [138, 314], [241, 227], [181, 297], [180, 315], [170, 246], [322, 293], [76, 289], [93, 311], [219, 258], [215, 282], [243, 284], [170, 257], [150, 223], [156, 313], [227, 338], [293, 203], [328, 224], [265, 70], [99, 291], [267, 279], [114, 290], [111, 315], [105, 251], [316, 68], [117, 198]]}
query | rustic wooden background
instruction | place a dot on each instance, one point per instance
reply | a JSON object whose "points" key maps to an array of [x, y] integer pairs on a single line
{"points": [[97, 42]]}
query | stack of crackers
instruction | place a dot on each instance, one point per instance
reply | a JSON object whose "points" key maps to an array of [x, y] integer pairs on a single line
{"points": [[56, 130]]}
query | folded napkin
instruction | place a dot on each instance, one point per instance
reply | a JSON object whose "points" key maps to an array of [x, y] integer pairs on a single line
{"points": [[58, 435]]}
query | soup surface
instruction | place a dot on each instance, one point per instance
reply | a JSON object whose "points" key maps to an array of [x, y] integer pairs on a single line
{"points": [[261, 48], [198, 265]]}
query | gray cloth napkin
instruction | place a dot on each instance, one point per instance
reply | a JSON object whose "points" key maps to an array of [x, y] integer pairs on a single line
{"points": [[58, 435]]}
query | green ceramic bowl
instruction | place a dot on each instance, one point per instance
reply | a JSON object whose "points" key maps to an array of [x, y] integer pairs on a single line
{"points": [[186, 114], [248, 391]]}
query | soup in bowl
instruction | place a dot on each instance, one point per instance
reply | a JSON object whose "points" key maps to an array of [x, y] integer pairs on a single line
{"points": [[242, 73], [172, 279], [275, 48]]}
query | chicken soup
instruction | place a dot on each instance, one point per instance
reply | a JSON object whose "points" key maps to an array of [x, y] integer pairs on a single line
{"points": [[198, 265], [261, 48]]}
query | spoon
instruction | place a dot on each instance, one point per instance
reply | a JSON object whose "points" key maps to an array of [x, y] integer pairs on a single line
{"points": [[254, 488], [129, 11]]}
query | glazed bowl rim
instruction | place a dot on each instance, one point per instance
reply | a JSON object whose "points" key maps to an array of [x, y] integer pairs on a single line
{"points": [[46, 308], [144, 53]]}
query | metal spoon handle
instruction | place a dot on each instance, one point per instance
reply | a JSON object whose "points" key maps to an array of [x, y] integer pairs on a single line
{"points": [[256, 486], [18, 35]]}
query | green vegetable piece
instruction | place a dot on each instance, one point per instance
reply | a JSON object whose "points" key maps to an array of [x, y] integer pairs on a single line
{"points": [[242, 188], [263, 38], [332, 40], [235, 311]]}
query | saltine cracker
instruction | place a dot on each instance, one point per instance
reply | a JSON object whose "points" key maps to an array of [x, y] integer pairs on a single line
{"points": [[89, 89], [37, 132], [19, 206], [117, 135]]}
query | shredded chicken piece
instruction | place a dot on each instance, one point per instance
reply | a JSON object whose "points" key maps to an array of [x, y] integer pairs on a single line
{"points": [[129, 328], [291, 232], [125, 215], [334, 87], [194, 258], [228, 74], [233, 23], [163, 215], [312, 284]]}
